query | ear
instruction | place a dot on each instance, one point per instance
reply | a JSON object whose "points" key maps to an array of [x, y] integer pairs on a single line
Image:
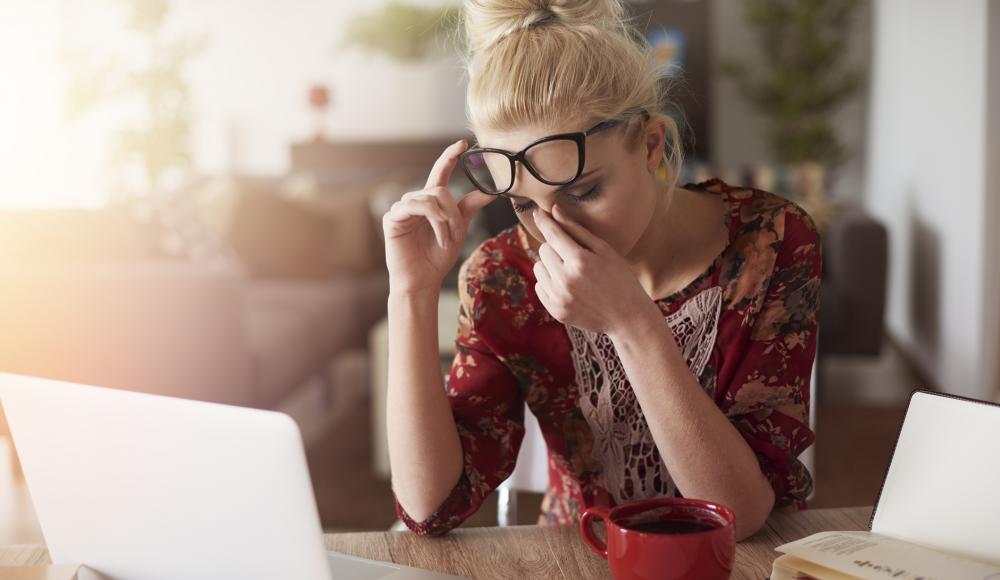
{"points": [[655, 142]]}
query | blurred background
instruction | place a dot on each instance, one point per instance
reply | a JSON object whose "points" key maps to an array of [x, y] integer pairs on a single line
{"points": [[191, 194]]}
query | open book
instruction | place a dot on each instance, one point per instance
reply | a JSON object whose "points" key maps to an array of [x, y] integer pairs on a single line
{"points": [[938, 512]]}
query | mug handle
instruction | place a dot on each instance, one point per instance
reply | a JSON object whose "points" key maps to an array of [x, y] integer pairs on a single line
{"points": [[587, 530]]}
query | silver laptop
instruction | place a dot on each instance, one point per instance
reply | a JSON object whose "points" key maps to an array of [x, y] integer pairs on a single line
{"points": [[148, 487]]}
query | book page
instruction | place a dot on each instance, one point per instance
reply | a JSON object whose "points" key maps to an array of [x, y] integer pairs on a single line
{"points": [[941, 486], [870, 555], [788, 567]]}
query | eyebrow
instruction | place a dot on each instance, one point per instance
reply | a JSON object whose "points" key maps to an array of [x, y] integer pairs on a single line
{"points": [[562, 187]]}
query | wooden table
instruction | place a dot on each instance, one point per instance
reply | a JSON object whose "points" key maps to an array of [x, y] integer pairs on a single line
{"points": [[535, 551]]}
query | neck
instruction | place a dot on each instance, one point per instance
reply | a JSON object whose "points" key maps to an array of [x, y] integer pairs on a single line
{"points": [[655, 250]]}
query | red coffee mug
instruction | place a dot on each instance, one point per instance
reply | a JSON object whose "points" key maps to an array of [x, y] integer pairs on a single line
{"points": [[644, 555]]}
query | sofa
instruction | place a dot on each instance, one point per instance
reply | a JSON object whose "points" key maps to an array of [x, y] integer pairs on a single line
{"points": [[86, 296], [854, 285]]}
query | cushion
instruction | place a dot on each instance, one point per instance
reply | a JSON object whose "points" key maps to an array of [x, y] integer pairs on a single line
{"points": [[325, 233], [284, 352]]}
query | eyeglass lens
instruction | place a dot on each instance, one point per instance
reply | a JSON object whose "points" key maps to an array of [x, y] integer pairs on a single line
{"points": [[556, 160]]}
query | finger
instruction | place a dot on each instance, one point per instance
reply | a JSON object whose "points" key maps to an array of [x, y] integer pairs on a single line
{"points": [[455, 220], [437, 218], [405, 210], [552, 262], [417, 207], [474, 201], [561, 242], [442, 198], [542, 274], [549, 256], [401, 215], [580, 234], [544, 298], [445, 164]]}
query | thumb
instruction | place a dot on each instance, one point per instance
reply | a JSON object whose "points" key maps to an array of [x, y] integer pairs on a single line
{"points": [[474, 201]]}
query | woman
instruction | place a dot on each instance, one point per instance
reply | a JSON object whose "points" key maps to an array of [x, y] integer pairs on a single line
{"points": [[566, 310]]}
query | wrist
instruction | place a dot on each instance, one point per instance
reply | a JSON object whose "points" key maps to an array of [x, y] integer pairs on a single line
{"points": [[415, 302], [401, 294], [637, 322]]}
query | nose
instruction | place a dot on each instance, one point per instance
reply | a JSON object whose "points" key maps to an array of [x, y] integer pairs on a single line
{"points": [[521, 175], [545, 202], [547, 206]]}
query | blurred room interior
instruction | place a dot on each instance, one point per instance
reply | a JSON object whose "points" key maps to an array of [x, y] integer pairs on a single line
{"points": [[191, 194]]}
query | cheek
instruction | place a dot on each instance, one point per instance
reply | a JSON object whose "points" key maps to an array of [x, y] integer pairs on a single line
{"points": [[601, 225], [614, 219], [529, 224], [593, 221]]}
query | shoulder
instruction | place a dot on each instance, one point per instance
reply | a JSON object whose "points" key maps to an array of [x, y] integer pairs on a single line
{"points": [[757, 212], [775, 243], [758, 208], [792, 240], [793, 234]]}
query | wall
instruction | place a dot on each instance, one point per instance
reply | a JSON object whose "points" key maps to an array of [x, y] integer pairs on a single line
{"points": [[927, 180], [248, 90], [991, 231], [245, 124], [250, 86]]}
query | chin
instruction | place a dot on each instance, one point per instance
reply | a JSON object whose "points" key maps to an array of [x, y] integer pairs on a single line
{"points": [[626, 248], [617, 245]]}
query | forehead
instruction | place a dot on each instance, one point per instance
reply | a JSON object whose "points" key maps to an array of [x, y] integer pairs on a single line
{"points": [[517, 139], [514, 140]]}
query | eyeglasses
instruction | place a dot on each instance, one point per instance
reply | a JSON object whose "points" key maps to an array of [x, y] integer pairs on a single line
{"points": [[553, 160]]}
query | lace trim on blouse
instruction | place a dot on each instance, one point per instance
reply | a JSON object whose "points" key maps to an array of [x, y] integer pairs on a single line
{"points": [[623, 444]]}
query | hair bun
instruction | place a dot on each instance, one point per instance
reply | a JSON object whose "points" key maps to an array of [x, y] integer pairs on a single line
{"points": [[489, 21]]}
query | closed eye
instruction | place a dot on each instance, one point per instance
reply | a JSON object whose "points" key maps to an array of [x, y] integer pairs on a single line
{"points": [[589, 195], [523, 207]]}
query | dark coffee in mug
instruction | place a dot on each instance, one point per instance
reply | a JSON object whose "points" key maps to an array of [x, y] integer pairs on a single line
{"points": [[670, 527], [664, 538]]}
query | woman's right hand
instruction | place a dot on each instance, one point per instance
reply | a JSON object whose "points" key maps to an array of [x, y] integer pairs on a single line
{"points": [[425, 230]]}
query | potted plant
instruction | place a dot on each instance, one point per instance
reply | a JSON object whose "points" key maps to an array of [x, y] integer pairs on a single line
{"points": [[150, 157], [417, 51], [803, 81]]}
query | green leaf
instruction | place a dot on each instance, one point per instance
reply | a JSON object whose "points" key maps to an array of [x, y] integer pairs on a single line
{"points": [[402, 31], [804, 78]]}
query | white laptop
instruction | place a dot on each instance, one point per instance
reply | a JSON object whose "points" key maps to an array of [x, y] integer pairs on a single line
{"points": [[148, 487]]}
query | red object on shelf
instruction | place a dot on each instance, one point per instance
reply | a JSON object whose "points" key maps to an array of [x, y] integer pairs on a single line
{"points": [[319, 101], [319, 97]]}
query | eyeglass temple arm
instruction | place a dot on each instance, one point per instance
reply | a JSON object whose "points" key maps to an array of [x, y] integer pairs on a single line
{"points": [[612, 122]]}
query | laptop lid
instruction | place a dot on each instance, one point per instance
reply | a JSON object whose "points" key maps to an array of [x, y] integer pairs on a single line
{"points": [[941, 486], [146, 486]]}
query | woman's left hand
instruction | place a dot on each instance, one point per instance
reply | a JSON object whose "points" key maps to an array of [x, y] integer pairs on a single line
{"points": [[583, 281]]}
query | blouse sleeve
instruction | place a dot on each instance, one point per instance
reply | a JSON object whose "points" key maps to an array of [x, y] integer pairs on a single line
{"points": [[769, 400], [489, 412]]}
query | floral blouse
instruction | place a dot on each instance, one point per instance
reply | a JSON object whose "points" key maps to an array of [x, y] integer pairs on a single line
{"points": [[746, 327]]}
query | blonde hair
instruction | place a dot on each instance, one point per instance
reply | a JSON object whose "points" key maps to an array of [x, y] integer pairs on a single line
{"points": [[562, 63]]}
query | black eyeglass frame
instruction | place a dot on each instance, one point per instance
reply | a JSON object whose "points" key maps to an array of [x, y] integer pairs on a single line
{"points": [[579, 137]]}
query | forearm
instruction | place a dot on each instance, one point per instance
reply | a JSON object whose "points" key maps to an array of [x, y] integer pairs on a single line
{"points": [[425, 453], [705, 454]]}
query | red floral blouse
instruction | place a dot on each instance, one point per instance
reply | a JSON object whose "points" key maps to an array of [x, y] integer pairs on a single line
{"points": [[747, 329]]}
